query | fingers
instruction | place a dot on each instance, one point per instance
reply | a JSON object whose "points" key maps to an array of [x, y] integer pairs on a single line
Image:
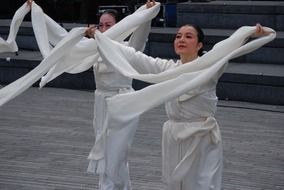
{"points": [[90, 31], [258, 28], [150, 3], [30, 3], [260, 31]]}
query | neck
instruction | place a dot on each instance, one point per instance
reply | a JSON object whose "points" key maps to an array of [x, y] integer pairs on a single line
{"points": [[186, 59]]}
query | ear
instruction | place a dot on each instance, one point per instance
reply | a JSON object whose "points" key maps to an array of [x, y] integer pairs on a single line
{"points": [[200, 45]]}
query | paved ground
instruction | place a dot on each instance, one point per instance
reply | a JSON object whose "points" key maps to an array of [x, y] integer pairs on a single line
{"points": [[45, 137]]}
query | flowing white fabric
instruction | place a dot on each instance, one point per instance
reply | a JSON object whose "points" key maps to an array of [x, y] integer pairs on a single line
{"points": [[173, 82], [10, 44], [72, 53], [119, 32], [20, 85]]}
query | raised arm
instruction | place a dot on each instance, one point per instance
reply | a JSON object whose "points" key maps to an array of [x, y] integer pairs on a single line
{"points": [[139, 37]]}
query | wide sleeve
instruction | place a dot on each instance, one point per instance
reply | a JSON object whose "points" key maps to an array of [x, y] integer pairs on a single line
{"points": [[139, 37], [145, 64], [10, 44], [55, 31], [127, 60]]}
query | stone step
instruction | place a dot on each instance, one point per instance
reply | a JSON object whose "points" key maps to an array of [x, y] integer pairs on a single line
{"points": [[259, 83], [14, 66], [231, 14]]}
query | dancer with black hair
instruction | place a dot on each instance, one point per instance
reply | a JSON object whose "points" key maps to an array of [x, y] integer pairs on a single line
{"points": [[191, 143], [109, 82], [114, 150]]}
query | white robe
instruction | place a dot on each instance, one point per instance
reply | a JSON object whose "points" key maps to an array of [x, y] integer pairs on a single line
{"points": [[191, 143], [192, 150]]}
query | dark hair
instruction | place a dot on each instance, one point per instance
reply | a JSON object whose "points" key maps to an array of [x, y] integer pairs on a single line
{"points": [[200, 36], [114, 13]]}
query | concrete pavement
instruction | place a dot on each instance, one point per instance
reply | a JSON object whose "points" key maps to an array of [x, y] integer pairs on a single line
{"points": [[46, 135]]}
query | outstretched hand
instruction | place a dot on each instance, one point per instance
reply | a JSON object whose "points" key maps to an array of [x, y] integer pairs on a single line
{"points": [[260, 31], [90, 31], [150, 3]]}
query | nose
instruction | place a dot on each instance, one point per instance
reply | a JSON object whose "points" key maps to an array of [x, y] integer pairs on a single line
{"points": [[181, 39], [103, 29]]}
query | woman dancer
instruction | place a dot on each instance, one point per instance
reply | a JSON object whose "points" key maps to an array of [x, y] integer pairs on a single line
{"points": [[109, 82], [191, 147]]}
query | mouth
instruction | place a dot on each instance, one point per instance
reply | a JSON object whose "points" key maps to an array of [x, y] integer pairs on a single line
{"points": [[181, 46]]}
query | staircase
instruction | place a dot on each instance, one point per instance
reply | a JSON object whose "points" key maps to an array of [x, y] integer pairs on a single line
{"points": [[257, 77]]}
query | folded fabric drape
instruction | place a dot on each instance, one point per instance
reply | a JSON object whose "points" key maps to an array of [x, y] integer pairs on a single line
{"points": [[10, 44]]}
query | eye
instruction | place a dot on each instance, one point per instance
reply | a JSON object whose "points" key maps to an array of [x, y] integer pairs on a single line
{"points": [[189, 36], [178, 36]]}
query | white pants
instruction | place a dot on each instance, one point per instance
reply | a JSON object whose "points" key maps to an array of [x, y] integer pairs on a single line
{"points": [[204, 172]]}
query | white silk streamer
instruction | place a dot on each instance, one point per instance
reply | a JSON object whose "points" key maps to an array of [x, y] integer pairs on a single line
{"points": [[72, 53]]}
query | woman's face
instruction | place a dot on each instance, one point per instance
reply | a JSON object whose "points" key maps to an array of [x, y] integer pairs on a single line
{"points": [[186, 42], [106, 21]]}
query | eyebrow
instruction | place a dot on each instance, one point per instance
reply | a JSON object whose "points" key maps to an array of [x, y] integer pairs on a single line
{"points": [[106, 22], [186, 33]]}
